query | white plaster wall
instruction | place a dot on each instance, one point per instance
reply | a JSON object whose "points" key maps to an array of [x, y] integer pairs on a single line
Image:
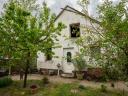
{"points": [[65, 41]]}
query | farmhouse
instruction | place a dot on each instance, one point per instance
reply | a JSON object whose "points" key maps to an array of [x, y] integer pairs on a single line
{"points": [[75, 22]]}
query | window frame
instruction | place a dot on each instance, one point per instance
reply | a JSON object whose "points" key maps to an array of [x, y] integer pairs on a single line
{"points": [[74, 24]]}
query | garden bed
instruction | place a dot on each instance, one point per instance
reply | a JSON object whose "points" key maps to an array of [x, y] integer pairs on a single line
{"points": [[57, 89]]}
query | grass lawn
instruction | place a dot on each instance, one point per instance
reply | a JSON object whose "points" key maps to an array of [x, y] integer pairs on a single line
{"points": [[56, 90]]}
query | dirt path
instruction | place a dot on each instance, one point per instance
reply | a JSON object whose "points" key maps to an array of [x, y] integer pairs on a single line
{"points": [[118, 85]]}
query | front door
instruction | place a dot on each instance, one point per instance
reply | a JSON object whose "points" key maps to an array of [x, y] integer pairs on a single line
{"points": [[68, 54]]}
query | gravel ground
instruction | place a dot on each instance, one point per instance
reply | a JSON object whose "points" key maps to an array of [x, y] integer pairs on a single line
{"points": [[120, 85]]}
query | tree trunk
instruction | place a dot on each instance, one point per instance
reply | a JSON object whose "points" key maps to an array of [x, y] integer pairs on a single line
{"points": [[26, 70]]}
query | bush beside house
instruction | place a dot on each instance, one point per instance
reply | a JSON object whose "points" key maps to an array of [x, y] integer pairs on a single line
{"points": [[5, 81], [80, 65]]}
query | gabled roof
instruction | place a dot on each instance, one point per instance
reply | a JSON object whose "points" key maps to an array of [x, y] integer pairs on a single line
{"points": [[71, 9], [61, 12]]}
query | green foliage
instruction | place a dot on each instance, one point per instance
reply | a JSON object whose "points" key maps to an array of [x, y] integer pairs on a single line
{"points": [[5, 81], [56, 90], [24, 34], [81, 87], [103, 88], [103, 78], [79, 75], [114, 22], [63, 90], [112, 33], [45, 80], [79, 62], [29, 5]]}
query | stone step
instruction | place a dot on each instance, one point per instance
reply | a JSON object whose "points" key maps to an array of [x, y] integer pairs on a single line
{"points": [[67, 75]]}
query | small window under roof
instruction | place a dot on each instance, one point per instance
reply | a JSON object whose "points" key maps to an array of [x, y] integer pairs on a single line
{"points": [[75, 30]]}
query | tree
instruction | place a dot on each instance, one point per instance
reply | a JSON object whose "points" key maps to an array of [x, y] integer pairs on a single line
{"points": [[23, 34], [111, 26], [114, 21]]}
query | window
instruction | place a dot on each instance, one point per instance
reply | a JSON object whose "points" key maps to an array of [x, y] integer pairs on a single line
{"points": [[95, 51], [48, 54], [69, 56], [75, 30]]}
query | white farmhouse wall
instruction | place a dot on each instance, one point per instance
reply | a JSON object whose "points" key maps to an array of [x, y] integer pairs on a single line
{"points": [[65, 41]]}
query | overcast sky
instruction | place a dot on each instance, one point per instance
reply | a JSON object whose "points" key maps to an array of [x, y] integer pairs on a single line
{"points": [[56, 5]]}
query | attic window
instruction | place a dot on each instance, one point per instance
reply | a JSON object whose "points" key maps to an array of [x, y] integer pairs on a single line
{"points": [[75, 30]]}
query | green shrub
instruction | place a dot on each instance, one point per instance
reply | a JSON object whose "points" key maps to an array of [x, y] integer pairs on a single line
{"points": [[112, 84], [80, 76], [103, 88], [79, 62], [103, 78], [82, 87], [45, 80], [5, 81]]}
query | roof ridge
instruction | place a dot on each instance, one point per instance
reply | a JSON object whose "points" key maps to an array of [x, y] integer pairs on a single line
{"points": [[63, 9], [76, 11], [61, 12]]}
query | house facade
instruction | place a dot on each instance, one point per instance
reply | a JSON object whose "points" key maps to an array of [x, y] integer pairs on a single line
{"points": [[68, 48]]}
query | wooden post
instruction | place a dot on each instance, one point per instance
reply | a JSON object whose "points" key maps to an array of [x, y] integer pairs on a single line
{"points": [[58, 66]]}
